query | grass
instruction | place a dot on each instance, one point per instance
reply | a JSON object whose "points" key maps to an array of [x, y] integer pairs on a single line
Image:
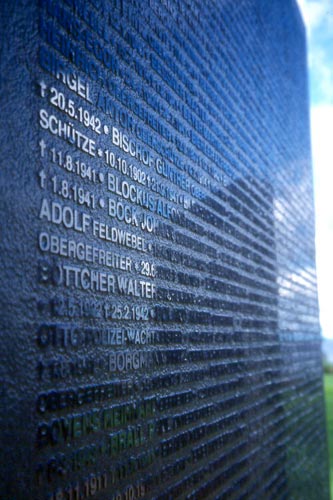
{"points": [[328, 381]]}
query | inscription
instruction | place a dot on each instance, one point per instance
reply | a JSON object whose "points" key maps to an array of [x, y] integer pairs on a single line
{"points": [[75, 398], [153, 326], [60, 101], [81, 251], [121, 237], [70, 336], [70, 164], [66, 131], [64, 215], [87, 488], [73, 427]]}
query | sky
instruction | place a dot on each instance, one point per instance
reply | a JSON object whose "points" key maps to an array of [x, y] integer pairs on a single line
{"points": [[318, 19]]}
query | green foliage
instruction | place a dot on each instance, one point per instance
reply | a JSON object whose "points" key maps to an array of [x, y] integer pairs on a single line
{"points": [[328, 367]]}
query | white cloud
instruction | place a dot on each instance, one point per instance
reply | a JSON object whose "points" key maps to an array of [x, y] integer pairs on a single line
{"points": [[314, 13], [318, 18], [321, 73], [322, 153]]}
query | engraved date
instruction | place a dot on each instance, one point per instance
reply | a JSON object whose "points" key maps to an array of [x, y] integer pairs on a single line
{"points": [[81, 196], [89, 120], [91, 486], [75, 166], [128, 312]]}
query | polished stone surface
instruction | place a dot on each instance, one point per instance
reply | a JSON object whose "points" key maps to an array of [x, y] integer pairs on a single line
{"points": [[160, 334]]}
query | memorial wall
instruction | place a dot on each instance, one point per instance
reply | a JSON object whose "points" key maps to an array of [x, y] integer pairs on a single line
{"points": [[159, 316]]}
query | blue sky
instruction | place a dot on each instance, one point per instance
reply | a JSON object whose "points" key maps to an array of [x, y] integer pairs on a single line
{"points": [[318, 19]]}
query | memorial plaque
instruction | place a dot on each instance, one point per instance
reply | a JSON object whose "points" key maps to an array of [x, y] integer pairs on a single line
{"points": [[159, 316]]}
